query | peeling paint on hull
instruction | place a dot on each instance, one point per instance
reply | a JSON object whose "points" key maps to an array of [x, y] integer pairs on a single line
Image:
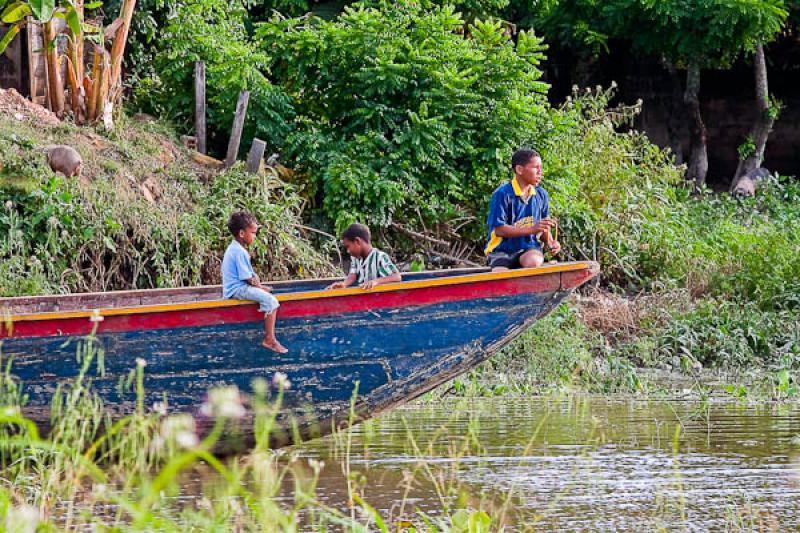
{"points": [[395, 345]]}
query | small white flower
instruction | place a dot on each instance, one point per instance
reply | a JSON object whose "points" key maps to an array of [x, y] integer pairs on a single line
{"points": [[22, 519], [180, 429], [9, 205], [613, 84], [52, 221], [187, 439], [225, 402], [100, 489], [575, 88], [171, 425], [157, 443], [160, 408], [141, 362], [316, 465], [96, 316], [281, 381]]}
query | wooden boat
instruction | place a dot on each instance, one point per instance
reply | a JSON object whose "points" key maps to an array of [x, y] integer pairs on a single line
{"points": [[396, 341]]}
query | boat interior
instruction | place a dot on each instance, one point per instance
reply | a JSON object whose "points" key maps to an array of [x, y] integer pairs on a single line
{"points": [[147, 297]]}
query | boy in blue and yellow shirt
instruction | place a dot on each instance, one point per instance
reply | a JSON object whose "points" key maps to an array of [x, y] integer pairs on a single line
{"points": [[518, 215]]}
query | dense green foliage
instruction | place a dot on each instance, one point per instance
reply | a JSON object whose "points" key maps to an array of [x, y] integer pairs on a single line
{"points": [[605, 186], [387, 113], [729, 334], [101, 233], [216, 33], [400, 114], [735, 265], [407, 113], [711, 33]]}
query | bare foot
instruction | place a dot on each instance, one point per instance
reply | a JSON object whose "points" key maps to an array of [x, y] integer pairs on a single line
{"points": [[274, 345]]}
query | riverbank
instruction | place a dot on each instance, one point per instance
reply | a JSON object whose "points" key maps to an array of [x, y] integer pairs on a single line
{"points": [[688, 282], [603, 343], [556, 462], [144, 212]]}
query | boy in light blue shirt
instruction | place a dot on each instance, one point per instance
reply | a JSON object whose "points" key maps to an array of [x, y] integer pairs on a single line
{"points": [[239, 280]]}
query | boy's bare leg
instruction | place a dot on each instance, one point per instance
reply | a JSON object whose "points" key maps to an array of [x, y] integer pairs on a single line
{"points": [[270, 342], [532, 258]]}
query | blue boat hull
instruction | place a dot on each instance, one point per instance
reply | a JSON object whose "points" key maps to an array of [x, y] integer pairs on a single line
{"points": [[391, 355]]}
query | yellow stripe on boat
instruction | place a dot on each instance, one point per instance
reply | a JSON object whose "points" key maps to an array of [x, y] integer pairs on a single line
{"points": [[309, 295]]}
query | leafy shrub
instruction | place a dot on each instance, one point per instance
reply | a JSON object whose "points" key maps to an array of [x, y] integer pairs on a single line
{"points": [[730, 334], [215, 32], [557, 350], [403, 113], [606, 186], [102, 233], [743, 250]]}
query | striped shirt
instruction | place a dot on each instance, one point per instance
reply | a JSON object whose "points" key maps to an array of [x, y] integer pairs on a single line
{"points": [[376, 265]]}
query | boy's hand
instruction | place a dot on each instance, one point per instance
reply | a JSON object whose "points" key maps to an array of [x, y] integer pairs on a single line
{"points": [[542, 226], [554, 247], [371, 284], [336, 285]]}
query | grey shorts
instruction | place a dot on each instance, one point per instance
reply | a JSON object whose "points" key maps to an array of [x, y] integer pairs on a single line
{"points": [[267, 302], [506, 260]]}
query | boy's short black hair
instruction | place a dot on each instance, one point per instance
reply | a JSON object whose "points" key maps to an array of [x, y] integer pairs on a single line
{"points": [[240, 220], [523, 157], [357, 231]]}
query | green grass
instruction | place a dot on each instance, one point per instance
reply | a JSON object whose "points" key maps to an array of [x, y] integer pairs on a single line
{"points": [[101, 232], [124, 475]]}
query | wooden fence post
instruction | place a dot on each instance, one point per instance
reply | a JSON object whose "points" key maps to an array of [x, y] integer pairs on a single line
{"points": [[236, 130], [200, 105], [256, 155]]}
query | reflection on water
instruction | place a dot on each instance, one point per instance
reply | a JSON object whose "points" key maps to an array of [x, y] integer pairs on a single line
{"points": [[579, 464]]}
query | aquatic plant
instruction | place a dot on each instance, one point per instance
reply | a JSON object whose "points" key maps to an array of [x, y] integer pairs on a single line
{"points": [[90, 471]]}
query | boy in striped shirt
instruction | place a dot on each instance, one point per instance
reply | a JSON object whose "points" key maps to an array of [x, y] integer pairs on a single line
{"points": [[369, 267]]}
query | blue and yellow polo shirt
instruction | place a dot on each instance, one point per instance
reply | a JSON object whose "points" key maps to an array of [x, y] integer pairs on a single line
{"points": [[509, 208]]}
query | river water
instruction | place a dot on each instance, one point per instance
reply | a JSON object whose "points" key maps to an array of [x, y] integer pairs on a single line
{"points": [[576, 464]]}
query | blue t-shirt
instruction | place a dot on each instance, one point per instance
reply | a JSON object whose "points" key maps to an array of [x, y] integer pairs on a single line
{"points": [[236, 269], [509, 208]]}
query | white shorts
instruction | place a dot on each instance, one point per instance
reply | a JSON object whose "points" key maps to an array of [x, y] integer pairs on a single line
{"points": [[267, 302]]}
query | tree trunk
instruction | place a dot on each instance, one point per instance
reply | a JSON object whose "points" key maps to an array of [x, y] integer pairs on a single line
{"points": [[118, 49], [75, 67], [92, 85], [54, 85], [764, 121], [698, 157]]}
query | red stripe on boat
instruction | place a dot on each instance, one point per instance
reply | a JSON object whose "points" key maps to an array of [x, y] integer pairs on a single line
{"points": [[291, 309]]}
